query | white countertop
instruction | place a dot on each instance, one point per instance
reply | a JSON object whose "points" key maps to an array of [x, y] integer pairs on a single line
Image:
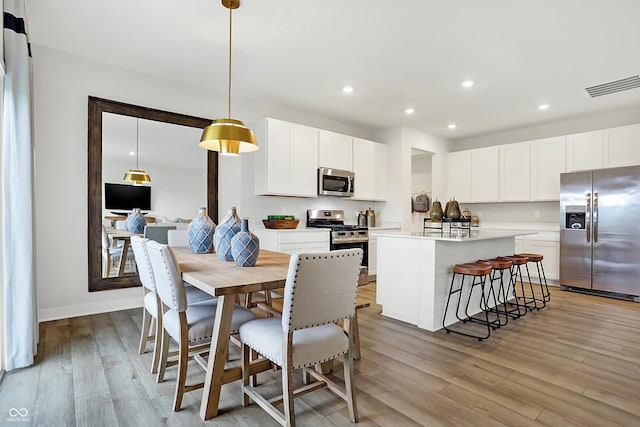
{"points": [[293, 230], [464, 235]]}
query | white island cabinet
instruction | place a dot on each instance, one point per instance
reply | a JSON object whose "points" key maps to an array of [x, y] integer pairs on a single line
{"points": [[293, 241], [414, 272]]}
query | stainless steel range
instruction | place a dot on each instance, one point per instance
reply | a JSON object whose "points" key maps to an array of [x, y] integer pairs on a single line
{"points": [[342, 236]]}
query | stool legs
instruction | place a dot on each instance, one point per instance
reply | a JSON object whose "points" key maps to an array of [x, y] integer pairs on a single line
{"points": [[476, 281], [501, 299]]}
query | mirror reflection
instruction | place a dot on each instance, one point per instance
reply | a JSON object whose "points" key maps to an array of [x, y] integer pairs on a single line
{"points": [[178, 171], [183, 179]]}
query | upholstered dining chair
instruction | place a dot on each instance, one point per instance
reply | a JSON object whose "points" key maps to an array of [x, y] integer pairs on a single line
{"points": [[151, 301], [189, 325], [320, 290], [111, 254]]}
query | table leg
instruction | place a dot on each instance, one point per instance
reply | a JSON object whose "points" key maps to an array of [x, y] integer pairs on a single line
{"points": [[123, 257], [217, 357]]}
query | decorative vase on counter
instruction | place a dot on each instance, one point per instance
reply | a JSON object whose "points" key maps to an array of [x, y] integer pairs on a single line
{"points": [[436, 211], [135, 222], [454, 209], [201, 231], [225, 231], [245, 246]]}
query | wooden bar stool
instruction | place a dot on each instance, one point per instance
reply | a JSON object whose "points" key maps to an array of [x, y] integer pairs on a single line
{"points": [[522, 299], [479, 272], [537, 259], [499, 267]]}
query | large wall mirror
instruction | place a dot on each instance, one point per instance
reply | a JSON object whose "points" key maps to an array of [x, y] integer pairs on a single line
{"points": [[184, 177]]}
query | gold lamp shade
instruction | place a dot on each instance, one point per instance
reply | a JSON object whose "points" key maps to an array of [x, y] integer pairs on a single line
{"points": [[228, 137], [137, 176]]}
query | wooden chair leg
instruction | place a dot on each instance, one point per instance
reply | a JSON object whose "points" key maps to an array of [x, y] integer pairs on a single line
{"points": [[164, 353], [246, 352], [348, 383], [144, 332], [287, 396], [157, 345], [183, 360]]}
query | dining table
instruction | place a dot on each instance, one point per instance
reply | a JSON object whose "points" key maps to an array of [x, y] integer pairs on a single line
{"points": [[225, 280], [123, 236]]}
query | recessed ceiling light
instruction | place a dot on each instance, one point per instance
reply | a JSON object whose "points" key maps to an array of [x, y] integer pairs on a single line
{"points": [[132, 153], [347, 89], [452, 126], [409, 110], [543, 107], [467, 83]]}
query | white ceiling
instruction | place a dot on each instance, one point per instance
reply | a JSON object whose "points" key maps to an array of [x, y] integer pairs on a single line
{"points": [[300, 53]]}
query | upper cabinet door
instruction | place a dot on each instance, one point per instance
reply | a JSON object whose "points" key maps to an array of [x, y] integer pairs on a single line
{"points": [[514, 172], [547, 163], [484, 174], [622, 146], [370, 167], [287, 161], [458, 176], [335, 150], [585, 151]]}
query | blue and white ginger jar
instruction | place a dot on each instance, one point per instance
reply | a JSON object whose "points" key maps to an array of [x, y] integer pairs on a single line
{"points": [[135, 222], [245, 246], [225, 231], [201, 231]]}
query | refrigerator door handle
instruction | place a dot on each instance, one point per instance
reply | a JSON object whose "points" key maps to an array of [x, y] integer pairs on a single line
{"points": [[595, 217], [588, 221]]}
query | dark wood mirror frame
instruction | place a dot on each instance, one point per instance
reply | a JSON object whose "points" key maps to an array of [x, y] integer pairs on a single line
{"points": [[97, 106]]}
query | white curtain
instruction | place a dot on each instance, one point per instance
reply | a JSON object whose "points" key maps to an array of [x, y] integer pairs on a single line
{"points": [[20, 303]]}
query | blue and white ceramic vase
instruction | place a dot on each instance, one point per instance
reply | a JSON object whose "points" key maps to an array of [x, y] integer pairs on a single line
{"points": [[201, 231], [227, 228], [245, 246], [135, 222]]}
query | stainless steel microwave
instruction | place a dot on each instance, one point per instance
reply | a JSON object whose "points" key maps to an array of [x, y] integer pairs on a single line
{"points": [[335, 182]]}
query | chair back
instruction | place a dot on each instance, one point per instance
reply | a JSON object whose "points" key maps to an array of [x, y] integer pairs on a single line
{"points": [[158, 232], [178, 237], [105, 239], [166, 272], [139, 246], [320, 288]]}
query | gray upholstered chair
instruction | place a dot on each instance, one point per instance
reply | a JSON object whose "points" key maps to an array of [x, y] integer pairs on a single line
{"points": [[151, 301], [190, 325], [320, 290], [158, 232]]}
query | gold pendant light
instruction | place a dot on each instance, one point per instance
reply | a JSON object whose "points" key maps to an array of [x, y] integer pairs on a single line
{"points": [[136, 176], [228, 136]]}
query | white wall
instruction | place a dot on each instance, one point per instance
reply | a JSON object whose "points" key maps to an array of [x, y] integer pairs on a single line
{"points": [[62, 83], [400, 142]]}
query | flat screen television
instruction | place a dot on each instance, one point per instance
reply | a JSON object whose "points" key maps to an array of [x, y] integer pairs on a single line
{"points": [[127, 197]]}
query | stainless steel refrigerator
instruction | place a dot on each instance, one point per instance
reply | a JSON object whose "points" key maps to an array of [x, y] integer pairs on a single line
{"points": [[600, 231]]}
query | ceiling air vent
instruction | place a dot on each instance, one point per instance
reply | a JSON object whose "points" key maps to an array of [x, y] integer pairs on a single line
{"points": [[613, 87]]}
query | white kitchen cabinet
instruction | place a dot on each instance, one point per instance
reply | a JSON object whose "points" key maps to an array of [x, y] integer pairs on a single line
{"points": [[547, 163], [551, 262], [293, 241], [370, 168], [458, 176], [585, 151], [335, 150], [514, 172], [622, 147], [484, 174], [287, 161]]}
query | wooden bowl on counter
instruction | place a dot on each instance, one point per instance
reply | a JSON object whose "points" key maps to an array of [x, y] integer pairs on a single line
{"points": [[281, 224]]}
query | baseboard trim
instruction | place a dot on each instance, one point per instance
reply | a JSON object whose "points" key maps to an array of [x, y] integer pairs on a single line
{"points": [[65, 312]]}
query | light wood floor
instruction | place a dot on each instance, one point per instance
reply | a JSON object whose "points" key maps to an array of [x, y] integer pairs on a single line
{"points": [[575, 363]]}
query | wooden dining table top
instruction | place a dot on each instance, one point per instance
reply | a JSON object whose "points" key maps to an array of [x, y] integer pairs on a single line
{"points": [[218, 277]]}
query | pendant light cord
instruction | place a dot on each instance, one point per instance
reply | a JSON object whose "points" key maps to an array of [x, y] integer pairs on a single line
{"points": [[137, 150], [229, 92]]}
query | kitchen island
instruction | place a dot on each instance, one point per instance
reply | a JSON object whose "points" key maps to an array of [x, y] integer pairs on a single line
{"points": [[415, 269]]}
